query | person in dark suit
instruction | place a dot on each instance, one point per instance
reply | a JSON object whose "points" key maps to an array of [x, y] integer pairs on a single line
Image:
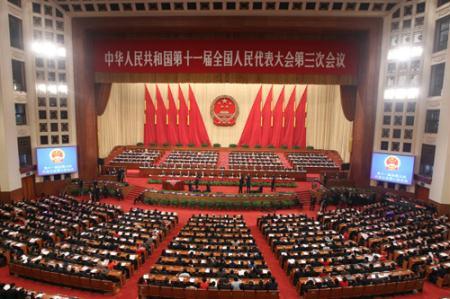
{"points": [[248, 183], [272, 184], [105, 191], [80, 185], [241, 184], [197, 182], [325, 179], [121, 175], [96, 193]]}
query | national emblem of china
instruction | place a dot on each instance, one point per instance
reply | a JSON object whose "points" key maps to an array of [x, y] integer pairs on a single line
{"points": [[57, 155], [392, 163], [224, 111]]}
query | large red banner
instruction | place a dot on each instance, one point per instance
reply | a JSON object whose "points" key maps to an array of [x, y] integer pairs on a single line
{"points": [[226, 56]]}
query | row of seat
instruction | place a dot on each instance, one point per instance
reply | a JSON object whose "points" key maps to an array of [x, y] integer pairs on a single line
{"points": [[64, 279], [146, 291], [366, 291]]}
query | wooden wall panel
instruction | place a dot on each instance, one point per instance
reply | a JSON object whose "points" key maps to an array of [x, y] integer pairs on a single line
{"points": [[51, 187], [15, 195], [365, 109]]}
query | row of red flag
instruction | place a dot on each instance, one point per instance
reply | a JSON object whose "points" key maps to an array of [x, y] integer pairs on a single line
{"points": [[171, 125], [276, 127]]}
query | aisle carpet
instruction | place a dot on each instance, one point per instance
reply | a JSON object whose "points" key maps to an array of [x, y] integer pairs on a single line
{"points": [[129, 291]]}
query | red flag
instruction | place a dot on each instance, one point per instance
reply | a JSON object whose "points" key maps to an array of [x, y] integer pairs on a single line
{"points": [[288, 138], [199, 135], [277, 121], [149, 126], [161, 117], [252, 130], [300, 121], [183, 129], [266, 117], [172, 129]]}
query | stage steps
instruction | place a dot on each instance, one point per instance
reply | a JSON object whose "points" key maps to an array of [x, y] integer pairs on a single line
{"points": [[305, 196], [163, 158], [284, 160], [134, 193], [223, 160]]}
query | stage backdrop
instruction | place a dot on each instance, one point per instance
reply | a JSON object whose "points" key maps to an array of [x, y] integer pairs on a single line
{"points": [[122, 123]]}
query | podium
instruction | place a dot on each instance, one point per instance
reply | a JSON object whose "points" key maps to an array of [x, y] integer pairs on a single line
{"points": [[173, 185]]}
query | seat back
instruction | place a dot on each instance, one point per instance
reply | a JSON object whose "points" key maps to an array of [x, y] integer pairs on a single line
{"points": [[267, 294], [390, 288], [166, 292], [224, 294], [336, 293], [202, 294], [178, 292], [358, 291], [347, 292], [311, 294], [324, 293]]}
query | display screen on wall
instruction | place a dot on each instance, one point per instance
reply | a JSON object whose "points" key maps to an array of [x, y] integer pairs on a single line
{"points": [[392, 168], [56, 160]]}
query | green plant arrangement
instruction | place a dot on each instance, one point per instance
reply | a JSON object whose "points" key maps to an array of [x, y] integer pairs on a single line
{"points": [[205, 144], [139, 144], [271, 146], [233, 145], [284, 146], [216, 145], [165, 144], [212, 203], [310, 147], [296, 147], [178, 145], [257, 145], [245, 145], [153, 144], [232, 183], [153, 181], [191, 145]]}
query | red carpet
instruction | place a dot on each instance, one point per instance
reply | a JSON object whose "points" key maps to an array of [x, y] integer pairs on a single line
{"points": [[129, 291], [284, 160], [223, 160], [163, 158]]}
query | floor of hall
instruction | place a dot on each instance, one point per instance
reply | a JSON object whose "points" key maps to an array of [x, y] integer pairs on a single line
{"points": [[130, 290]]}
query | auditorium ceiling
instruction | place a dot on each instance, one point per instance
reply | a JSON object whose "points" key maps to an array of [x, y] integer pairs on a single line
{"points": [[355, 8]]}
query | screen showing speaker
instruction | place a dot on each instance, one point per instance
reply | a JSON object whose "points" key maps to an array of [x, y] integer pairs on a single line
{"points": [[392, 168], [56, 160]]}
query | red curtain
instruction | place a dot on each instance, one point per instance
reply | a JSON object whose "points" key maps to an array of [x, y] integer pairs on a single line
{"points": [[172, 129], [277, 120], [197, 129], [289, 119], [252, 130], [266, 117], [300, 121], [149, 126], [102, 92], [348, 101], [161, 118], [183, 129]]}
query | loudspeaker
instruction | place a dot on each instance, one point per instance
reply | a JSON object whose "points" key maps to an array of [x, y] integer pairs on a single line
{"points": [[345, 166]]}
